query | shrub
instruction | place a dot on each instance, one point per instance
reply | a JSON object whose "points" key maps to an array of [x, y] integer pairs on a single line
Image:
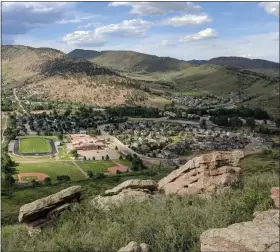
{"points": [[90, 174], [63, 178], [48, 181], [121, 157], [107, 157]]}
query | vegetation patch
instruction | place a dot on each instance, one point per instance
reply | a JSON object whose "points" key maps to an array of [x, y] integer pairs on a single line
{"points": [[52, 169], [95, 166], [34, 145]]}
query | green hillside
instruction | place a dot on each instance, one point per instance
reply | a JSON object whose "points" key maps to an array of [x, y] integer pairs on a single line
{"points": [[172, 75]]}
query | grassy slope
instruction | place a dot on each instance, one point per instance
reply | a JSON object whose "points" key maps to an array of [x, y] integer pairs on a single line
{"points": [[10, 207], [173, 225], [180, 76], [38, 71], [52, 169], [95, 165], [34, 145]]}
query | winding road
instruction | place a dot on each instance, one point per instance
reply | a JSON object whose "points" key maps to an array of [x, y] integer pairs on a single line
{"points": [[19, 102]]}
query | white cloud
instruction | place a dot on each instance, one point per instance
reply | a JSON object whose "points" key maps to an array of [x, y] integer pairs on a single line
{"points": [[128, 28], [84, 38], [271, 7], [167, 43], [94, 24], [76, 19], [208, 33], [188, 20], [258, 46], [20, 17], [158, 8]]}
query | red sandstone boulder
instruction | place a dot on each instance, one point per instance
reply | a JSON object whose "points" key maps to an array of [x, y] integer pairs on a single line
{"points": [[204, 174]]}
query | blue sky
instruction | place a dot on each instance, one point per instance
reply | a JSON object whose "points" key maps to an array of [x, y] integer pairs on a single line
{"points": [[184, 30]]}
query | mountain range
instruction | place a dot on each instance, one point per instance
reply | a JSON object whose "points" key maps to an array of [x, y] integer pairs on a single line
{"points": [[112, 78]]}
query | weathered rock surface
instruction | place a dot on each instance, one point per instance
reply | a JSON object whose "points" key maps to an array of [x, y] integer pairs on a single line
{"points": [[259, 235], [133, 184], [42, 212], [128, 191], [275, 195], [204, 174], [135, 247]]}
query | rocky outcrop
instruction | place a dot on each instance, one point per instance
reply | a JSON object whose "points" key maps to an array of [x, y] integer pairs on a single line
{"points": [[260, 235], [204, 174], [135, 247], [42, 212], [129, 191], [134, 184], [275, 195]]}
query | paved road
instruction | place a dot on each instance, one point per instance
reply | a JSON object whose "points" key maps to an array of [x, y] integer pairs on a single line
{"points": [[252, 145], [19, 102], [162, 119]]}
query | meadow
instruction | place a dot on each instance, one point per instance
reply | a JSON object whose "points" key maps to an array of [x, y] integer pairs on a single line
{"points": [[167, 224], [52, 169], [95, 166], [34, 145]]}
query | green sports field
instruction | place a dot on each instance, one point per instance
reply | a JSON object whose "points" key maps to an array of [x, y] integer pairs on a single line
{"points": [[52, 169], [95, 165], [34, 145]]}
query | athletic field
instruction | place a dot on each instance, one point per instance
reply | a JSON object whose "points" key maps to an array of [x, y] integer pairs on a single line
{"points": [[34, 145], [52, 169]]}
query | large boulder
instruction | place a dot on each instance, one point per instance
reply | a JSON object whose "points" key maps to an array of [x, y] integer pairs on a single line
{"points": [[135, 247], [259, 235], [129, 191], [134, 184], [275, 195], [204, 174], [42, 212]]}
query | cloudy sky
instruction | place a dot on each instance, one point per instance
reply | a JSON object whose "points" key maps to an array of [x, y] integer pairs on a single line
{"points": [[183, 30]]}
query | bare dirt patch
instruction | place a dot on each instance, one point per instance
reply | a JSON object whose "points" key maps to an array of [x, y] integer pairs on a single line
{"points": [[119, 167], [24, 177]]}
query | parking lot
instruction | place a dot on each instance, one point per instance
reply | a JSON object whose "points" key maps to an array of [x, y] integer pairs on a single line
{"points": [[113, 154]]}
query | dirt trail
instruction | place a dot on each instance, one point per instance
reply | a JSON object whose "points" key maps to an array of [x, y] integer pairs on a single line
{"points": [[80, 169], [19, 102]]}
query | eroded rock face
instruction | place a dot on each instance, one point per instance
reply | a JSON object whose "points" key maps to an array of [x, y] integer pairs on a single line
{"points": [[133, 184], [42, 212], [259, 235], [275, 195], [129, 191], [205, 174], [135, 247]]}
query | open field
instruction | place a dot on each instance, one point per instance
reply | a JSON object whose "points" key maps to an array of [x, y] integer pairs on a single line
{"points": [[54, 138], [34, 145], [124, 162], [31, 159], [95, 165], [52, 169]]}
